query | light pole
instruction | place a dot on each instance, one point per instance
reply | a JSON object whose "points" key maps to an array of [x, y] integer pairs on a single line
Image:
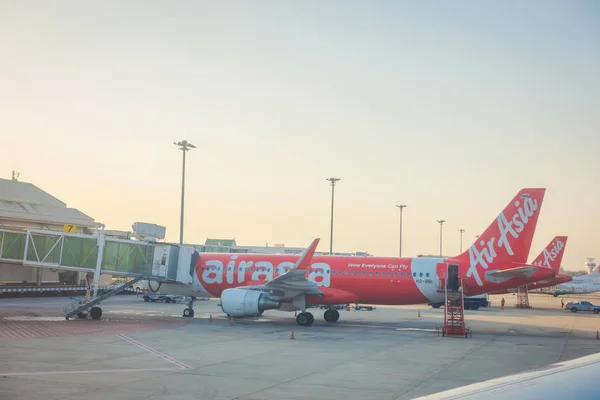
{"points": [[461, 230], [333, 181], [184, 146], [401, 207], [441, 222]]}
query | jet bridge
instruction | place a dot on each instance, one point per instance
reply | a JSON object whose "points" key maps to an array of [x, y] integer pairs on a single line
{"points": [[98, 254]]}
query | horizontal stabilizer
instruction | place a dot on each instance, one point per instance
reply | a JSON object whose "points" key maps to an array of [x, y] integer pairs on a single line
{"points": [[500, 276]]}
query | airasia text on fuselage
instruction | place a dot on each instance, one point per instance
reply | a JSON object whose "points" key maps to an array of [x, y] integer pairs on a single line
{"points": [[215, 272], [236, 271]]}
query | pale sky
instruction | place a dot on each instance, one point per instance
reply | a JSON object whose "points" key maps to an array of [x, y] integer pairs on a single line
{"points": [[448, 107]]}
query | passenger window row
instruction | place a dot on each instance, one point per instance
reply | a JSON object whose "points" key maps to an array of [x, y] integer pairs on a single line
{"points": [[377, 273], [251, 269], [322, 272]]}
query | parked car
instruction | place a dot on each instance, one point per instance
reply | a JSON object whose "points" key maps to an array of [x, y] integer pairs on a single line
{"points": [[582, 306]]}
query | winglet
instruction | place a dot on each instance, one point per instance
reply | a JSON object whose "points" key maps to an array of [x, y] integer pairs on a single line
{"points": [[305, 259]]}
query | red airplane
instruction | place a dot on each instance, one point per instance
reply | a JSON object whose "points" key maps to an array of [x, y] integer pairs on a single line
{"points": [[550, 257], [249, 284]]}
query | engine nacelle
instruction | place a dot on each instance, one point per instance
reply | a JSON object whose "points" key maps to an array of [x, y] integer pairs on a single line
{"points": [[242, 303]]}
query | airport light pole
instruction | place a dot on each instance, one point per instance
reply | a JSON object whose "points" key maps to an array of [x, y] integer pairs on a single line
{"points": [[441, 222], [461, 230], [333, 181], [184, 146], [401, 207]]}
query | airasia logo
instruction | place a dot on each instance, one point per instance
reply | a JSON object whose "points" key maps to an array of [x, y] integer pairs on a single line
{"points": [[215, 272], [513, 227], [552, 253]]}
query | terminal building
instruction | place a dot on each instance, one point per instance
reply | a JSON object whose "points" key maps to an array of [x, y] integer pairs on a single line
{"points": [[25, 206]]}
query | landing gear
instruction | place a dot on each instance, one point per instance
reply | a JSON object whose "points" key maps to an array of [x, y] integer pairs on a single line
{"points": [[331, 315], [305, 319], [189, 312]]}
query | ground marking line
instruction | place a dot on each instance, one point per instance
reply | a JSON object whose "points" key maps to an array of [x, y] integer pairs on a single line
{"points": [[84, 372], [156, 352]]}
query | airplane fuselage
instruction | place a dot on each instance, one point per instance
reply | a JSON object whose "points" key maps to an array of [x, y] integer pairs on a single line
{"points": [[573, 287], [372, 280]]}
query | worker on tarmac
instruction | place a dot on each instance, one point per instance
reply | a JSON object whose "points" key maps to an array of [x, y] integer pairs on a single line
{"points": [[562, 303], [502, 303]]}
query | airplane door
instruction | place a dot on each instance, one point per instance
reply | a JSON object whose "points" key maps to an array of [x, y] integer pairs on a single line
{"points": [[441, 274], [453, 281]]}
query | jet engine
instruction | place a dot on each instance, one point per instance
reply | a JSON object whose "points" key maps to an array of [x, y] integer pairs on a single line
{"points": [[243, 303]]}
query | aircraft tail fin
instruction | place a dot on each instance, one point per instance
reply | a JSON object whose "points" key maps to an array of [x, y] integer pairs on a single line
{"points": [[552, 255], [507, 240]]}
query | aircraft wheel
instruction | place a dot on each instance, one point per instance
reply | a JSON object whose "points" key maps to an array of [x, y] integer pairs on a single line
{"points": [[331, 315], [188, 312], [96, 313], [305, 319]]}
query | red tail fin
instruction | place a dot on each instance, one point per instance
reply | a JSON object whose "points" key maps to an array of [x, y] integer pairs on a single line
{"points": [[552, 255], [508, 238]]}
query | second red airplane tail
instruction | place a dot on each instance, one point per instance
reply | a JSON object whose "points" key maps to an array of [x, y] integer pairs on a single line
{"points": [[552, 255]]}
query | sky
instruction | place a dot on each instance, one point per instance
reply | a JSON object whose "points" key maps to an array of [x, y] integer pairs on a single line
{"points": [[447, 107]]}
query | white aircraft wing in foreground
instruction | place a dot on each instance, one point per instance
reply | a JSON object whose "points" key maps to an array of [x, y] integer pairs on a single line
{"points": [[574, 379]]}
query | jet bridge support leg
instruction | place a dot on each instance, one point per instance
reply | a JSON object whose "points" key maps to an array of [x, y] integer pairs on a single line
{"points": [[78, 307], [101, 243]]}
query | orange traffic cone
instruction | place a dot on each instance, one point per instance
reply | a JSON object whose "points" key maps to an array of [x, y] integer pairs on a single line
{"points": [[292, 335], [210, 319]]}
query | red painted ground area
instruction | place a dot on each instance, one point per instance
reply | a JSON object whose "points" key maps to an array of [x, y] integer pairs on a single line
{"points": [[27, 325]]}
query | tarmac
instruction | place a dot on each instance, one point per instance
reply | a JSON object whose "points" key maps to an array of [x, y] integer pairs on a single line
{"points": [[148, 351]]}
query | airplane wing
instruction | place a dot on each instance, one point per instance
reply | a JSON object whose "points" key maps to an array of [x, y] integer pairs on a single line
{"points": [[294, 281], [574, 379]]}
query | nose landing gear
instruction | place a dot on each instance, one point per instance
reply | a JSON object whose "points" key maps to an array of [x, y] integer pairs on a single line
{"points": [[189, 312]]}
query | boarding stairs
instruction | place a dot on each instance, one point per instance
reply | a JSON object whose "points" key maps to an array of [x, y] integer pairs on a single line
{"points": [[454, 310], [78, 307], [454, 314]]}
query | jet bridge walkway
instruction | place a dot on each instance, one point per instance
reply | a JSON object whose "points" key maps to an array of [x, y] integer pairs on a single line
{"points": [[97, 254]]}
